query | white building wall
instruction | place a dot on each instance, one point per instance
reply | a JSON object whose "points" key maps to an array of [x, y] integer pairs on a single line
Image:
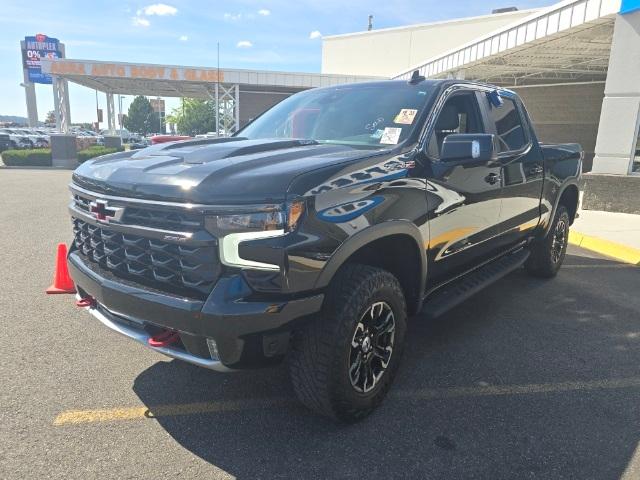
{"points": [[566, 113], [386, 52], [620, 118]]}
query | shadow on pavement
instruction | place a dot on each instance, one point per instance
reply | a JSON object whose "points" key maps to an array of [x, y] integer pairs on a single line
{"points": [[520, 331]]}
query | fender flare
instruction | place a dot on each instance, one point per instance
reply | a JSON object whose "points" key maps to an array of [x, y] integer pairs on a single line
{"points": [[369, 235], [556, 202]]}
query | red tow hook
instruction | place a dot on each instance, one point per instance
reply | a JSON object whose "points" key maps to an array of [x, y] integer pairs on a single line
{"points": [[164, 339], [86, 302]]}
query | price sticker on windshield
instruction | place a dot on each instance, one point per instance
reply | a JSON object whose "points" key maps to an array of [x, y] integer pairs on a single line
{"points": [[406, 116], [390, 136]]}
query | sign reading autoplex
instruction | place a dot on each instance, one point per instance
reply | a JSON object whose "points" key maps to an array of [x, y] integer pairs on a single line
{"points": [[120, 70], [35, 49]]}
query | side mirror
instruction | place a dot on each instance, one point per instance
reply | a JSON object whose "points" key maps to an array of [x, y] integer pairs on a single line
{"points": [[478, 147]]}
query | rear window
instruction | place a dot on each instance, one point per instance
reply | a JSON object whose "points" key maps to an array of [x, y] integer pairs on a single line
{"points": [[511, 135]]}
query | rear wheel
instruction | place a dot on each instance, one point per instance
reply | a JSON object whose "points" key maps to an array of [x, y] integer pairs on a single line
{"points": [[343, 362], [547, 254]]}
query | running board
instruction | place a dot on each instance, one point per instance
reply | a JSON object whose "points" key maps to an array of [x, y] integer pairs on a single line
{"points": [[456, 292]]}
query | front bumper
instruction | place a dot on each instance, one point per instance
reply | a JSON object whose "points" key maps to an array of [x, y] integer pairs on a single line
{"points": [[247, 332], [141, 336]]}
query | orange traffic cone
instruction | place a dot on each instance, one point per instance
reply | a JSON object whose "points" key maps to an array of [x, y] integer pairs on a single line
{"points": [[62, 282]]}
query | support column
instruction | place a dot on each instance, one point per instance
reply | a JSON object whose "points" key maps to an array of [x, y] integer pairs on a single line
{"points": [[61, 104], [56, 102], [217, 100], [236, 107], [620, 116], [30, 94], [111, 114], [32, 106]]}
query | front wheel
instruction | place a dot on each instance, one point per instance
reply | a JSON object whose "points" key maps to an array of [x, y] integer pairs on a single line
{"points": [[343, 362], [547, 254]]}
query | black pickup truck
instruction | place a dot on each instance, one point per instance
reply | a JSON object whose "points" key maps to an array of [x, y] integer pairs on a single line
{"points": [[313, 233]]}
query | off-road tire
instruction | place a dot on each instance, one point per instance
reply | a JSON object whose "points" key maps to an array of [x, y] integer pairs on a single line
{"points": [[547, 254], [319, 357]]}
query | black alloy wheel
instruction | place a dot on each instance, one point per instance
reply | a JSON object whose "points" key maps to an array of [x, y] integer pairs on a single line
{"points": [[371, 347]]}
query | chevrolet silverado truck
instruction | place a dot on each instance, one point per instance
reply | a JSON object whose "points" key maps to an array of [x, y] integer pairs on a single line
{"points": [[313, 233]]}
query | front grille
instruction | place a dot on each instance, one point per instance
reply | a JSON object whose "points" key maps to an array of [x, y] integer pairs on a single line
{"points": [[181, 269], [81, 202], [170, 220]]}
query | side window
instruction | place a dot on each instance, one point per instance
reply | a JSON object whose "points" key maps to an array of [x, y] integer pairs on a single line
{"points": [[509, 129], [460, 114]]}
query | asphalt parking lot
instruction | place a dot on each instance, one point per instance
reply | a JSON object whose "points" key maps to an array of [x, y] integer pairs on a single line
{"points": [[529, 379]]}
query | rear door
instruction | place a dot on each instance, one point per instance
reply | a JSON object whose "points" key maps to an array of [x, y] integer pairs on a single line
{"points": [[521, 167], [463, 196]]}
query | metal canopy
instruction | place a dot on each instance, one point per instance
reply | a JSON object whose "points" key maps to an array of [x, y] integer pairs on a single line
{"points": [[182, 81], [224, 86], [567, 42]]}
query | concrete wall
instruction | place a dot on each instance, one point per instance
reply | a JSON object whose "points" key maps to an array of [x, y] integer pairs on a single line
{"points": [[386, 52], [566, 113]]}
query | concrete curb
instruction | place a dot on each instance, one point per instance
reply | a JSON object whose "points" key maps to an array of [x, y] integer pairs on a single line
{"points": [[605, 247]]}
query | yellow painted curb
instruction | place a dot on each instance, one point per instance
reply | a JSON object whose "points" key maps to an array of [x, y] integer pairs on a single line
{"points": [[605, 247]]}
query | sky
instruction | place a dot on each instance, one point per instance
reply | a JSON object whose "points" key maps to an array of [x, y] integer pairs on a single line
{"points": [[281, 35]]}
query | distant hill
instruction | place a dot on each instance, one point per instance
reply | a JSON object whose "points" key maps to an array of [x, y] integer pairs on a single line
{"points": [[14, 119]]}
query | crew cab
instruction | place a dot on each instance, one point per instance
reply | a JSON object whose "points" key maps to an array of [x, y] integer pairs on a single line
{"points": [[312, 234]]}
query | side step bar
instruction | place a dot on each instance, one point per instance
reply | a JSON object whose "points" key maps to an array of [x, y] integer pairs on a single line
{"points": [[456, 292]]}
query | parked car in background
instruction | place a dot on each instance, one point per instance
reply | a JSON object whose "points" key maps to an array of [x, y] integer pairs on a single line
{"points": [[143, 143], [16, 140], [168, 138], [4, 142], [126, 135], [89, 133], [37, 140]]}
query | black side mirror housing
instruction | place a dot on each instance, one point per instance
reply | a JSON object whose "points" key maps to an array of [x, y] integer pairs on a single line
{"points": [[477, 147]]}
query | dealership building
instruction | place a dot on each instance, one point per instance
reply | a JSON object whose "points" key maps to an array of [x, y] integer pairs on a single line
{"points": [[576, 64]]}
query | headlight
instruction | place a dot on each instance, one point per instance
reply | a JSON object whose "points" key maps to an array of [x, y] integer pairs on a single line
{"points": [[255, 222], [270, 221]]}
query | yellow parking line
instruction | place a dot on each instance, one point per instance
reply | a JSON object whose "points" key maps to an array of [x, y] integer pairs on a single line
{"points": [[103, 415], [138, 413], [498, 390], [171, 410], [605, 247]]}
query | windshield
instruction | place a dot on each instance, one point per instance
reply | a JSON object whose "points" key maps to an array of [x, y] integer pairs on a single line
{"points": [[376, 115]]}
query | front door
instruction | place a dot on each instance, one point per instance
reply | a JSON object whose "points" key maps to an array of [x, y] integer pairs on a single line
{"points": [[463, 196]]}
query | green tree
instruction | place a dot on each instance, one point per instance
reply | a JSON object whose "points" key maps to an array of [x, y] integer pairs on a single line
{"points": [[141, 118], [51, 117], [194, 116]]}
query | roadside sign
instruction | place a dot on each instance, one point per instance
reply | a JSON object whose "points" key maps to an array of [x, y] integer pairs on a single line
{"points": [[35, 49]]}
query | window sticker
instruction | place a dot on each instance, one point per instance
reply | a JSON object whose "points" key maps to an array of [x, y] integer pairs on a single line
{"points": [[390, 136], [406, 116], [377, 134]]}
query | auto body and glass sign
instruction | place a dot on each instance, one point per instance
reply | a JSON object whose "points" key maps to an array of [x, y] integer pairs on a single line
{"points": [[35, 49]]}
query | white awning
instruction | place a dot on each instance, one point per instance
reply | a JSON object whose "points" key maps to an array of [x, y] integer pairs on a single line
{"points": [[569, 41]]}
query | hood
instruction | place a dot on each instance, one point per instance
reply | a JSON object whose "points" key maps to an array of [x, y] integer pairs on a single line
{"points": [[219, 171]]}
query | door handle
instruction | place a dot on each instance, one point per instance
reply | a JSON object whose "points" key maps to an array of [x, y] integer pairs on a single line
{"points": [[492, 178]]}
